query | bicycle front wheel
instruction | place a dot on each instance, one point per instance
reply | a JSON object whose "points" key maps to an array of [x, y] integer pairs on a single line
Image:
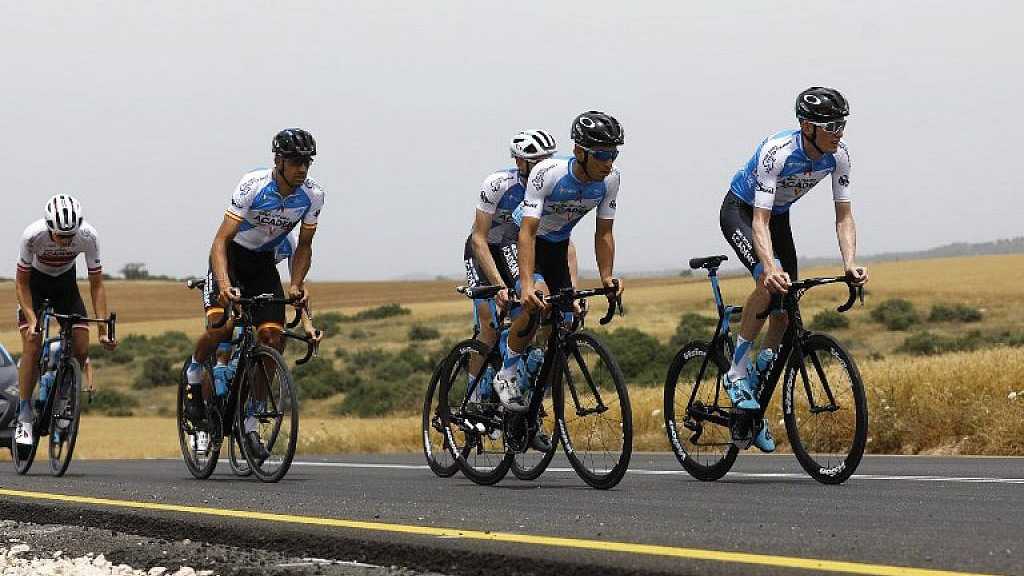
{"points": [[529, 465], [65, 416], [268, 415], [438, 457], [473, 431], [239, 467], [592, 411], [198, 440], [825, 410], [696, 423]]}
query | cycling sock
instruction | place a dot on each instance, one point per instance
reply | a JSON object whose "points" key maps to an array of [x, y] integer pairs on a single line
{"points": [[475, 396], [24, 411], [739, 359], [194, 374]]}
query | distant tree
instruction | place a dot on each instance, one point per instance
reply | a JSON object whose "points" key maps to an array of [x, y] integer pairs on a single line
{"points": [[135, 271]]}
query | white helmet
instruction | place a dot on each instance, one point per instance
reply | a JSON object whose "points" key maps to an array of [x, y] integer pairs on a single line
{"points": [[533, 144], [63, 215]]}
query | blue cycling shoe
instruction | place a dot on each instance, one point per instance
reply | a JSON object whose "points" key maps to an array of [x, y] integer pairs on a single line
{"points": [[741, 393], [764, 440]]}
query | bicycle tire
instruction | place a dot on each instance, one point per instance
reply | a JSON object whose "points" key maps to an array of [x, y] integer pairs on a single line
{"points": [[62, 438], [529, 465], [619, 423], [706, 466], [239, 465], [476, 453], [844, 453], [200, 465], [286, 404], [23, 457], [438, 457]]}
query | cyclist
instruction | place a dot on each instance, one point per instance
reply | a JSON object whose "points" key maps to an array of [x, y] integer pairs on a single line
{"points": [[265, 207], [755, 221], [46, 271], [558, 194], [490, 252]]}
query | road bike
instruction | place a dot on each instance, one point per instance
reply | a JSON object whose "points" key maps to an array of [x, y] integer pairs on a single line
{"points": [[823, 401], [61, 405], [262, 390], [594, 427]]}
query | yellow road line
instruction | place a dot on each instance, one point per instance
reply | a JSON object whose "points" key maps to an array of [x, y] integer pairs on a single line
{"points": [[598, 545]]}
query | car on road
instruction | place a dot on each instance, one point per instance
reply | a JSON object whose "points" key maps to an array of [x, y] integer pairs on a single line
{"points": [[8, 396]]}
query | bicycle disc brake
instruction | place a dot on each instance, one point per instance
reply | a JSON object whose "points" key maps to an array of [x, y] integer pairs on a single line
{"points": [[516, 433]]}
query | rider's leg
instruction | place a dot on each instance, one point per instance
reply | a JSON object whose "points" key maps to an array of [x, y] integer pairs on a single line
{"points": [[28, 371], [487, 335]]}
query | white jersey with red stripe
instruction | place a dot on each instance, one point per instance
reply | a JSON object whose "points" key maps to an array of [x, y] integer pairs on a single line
{"points": [[38, 250], [267, 217]]}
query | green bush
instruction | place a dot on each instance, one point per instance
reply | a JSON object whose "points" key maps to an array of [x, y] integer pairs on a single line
{"points": [[368, 358], [157, 371], [319, 379], [928, 344], [895, 314], [376, 398], [378, 313], [111, 402], [954, 313], [420, 332], [641, 357], [829, 320], [329, 322], [359, 334], [692, 327]]}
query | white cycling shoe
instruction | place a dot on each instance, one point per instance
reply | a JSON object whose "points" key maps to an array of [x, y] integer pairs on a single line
{"points": [[23, 434]]}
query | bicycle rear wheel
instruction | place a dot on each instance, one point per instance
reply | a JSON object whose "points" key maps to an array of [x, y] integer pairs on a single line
{"points": [[473, 435], [825, 410], [65, 416], [592, 411], [531, 464], [267, 405], [438, 457], [236, 459], [199, 441], [698, 431]]}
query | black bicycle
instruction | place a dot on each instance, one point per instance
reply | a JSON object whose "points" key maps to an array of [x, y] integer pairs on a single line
{"points": [[596, 432], [823, 400], [483, 362], [261, 392], [61, 411]]}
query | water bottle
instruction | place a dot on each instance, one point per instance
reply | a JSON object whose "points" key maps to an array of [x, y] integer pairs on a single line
{"points": [[764, 361], [44, 388], [534, 360], [220, 379]]}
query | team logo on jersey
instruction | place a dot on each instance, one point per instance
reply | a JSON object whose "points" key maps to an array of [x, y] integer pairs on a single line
{"points": [[613, 204], [529, 204], [844, 180], [484, 198], [538, 177]]}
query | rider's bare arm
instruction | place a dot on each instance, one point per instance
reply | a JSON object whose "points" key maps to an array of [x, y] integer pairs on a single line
{"points": [[846, 232], [481, 251], [604, 248], [24, 293], [302, 258]]}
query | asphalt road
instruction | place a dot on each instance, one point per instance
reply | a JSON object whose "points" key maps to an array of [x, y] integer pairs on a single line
{"points": [[897, 514]]}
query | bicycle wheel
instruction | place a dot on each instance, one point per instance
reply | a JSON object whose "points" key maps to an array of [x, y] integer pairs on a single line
{"points": [[65, 416], [699, 431], [199, 441], [236, 459], [22, 455], [473, 435], [592, 411], [268, 406], [825, 410], [531, 464], [438, 458]]}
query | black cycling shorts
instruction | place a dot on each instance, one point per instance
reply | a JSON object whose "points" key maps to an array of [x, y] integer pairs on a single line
{"points": [[736, 220], [253, 273], [506, 258], [61, 291], [551, 261]]}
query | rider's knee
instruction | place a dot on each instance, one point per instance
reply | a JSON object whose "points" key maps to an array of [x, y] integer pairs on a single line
{"points": [[269, 333]]}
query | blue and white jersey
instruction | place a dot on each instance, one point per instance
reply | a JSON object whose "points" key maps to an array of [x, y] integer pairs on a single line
{"points": [[780, 173], [500, 194], [286, 249], [559, 200], [266, 217]]}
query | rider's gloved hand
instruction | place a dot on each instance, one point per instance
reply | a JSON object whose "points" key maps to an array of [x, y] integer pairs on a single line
{"points": [[858, 274]]}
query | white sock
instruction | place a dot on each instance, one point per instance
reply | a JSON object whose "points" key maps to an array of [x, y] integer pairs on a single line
{"points": [[511, 362], [739, 359], [194, 374]]}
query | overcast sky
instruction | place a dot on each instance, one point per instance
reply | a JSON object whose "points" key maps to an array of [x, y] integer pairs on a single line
{"points": [[149, 113]]}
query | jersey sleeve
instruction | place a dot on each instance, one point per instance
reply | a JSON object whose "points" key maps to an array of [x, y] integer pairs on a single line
{"points": [[606, 209], [538, 187], [92, 251], [841, 175], [241, 199], [491, 191], [770, 161], [316, 204], [25, 247]]}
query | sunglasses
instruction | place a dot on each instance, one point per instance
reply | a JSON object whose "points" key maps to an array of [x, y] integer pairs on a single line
{"points": [[299, 161], [834, 127], [603, 155]]}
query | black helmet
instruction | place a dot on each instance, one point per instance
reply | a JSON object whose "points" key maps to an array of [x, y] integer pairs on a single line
{"points": [[817, 104], [596, 129], [294, 143]]}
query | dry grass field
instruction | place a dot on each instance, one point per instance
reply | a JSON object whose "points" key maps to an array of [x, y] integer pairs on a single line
{"points": [[951, 403]]}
